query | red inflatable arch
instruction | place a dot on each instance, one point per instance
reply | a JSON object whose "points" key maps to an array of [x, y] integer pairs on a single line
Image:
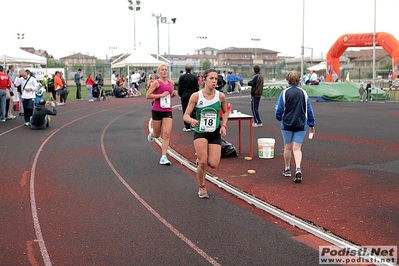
{"points": [[383, 39]]}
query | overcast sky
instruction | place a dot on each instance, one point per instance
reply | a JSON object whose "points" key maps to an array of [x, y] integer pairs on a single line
{"points": [[93, 27]]}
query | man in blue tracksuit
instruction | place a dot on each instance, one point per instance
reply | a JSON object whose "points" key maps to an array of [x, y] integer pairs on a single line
{"points": [[295, 112], [231, 82]]}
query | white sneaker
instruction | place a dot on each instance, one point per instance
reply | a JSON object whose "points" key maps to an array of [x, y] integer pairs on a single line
{"points": [[164, 160], [254, 125]]}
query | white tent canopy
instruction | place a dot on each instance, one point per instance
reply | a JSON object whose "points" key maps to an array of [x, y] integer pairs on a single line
{"points": [[14, 55], [321, 66], [138, 59]]}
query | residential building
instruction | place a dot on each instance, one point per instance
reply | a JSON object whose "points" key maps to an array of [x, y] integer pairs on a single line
{"points": [[39, 52], [237, 57], [360, 63], [78, 58]]}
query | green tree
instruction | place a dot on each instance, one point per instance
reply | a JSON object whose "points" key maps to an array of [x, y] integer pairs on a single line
{"points": [[386, 65], [305, 66], [51, 63], [206, 64], [76, 66]]}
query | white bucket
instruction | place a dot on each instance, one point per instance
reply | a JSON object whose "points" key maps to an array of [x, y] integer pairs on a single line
{"points": [[266, 147]]}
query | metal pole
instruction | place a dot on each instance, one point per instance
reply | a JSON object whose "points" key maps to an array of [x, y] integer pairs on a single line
{"points": [[134, 26], [168, 41], [303, 39], [158, 34], [256, 51], [201, 55]]}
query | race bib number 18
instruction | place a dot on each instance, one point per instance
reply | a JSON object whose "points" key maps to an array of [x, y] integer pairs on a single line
{"points": [[208, 121]]}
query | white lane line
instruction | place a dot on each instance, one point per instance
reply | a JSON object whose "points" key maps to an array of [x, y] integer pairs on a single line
{"points": [[12, 129], [148, 207], [36, 223]]}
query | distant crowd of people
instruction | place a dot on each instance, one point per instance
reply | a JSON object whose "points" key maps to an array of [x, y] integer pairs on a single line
{"points": [[31, 105]]}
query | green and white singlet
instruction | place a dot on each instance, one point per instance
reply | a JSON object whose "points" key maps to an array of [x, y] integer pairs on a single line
{"points": [[207, 113]]}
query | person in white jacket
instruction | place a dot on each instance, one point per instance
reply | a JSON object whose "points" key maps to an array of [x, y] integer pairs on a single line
{"points": [[29, 86]]}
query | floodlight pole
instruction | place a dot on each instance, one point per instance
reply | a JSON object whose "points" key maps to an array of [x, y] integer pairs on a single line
{"points": [[157, 16], [255, 40], [165, 21], [135, 7], [201, 38], [20, 37]]}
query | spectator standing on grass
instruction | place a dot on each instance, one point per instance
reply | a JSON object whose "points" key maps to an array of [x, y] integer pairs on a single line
{"points": [[231, 83], [368, 90], [239, 81], [256, 84], [10, 93], [161, 91], [361, 92], [64, 91], [220, 83], [50, 90], [89, 85], [188, 84], [41, 115], [99, 78], [45, 82], [78, 81], [143, 79], [58, 87], [208, 128], [113, 80], [294, 111]]}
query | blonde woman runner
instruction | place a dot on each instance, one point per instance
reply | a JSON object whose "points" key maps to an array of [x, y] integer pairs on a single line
{"points": [[161, 92]]}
